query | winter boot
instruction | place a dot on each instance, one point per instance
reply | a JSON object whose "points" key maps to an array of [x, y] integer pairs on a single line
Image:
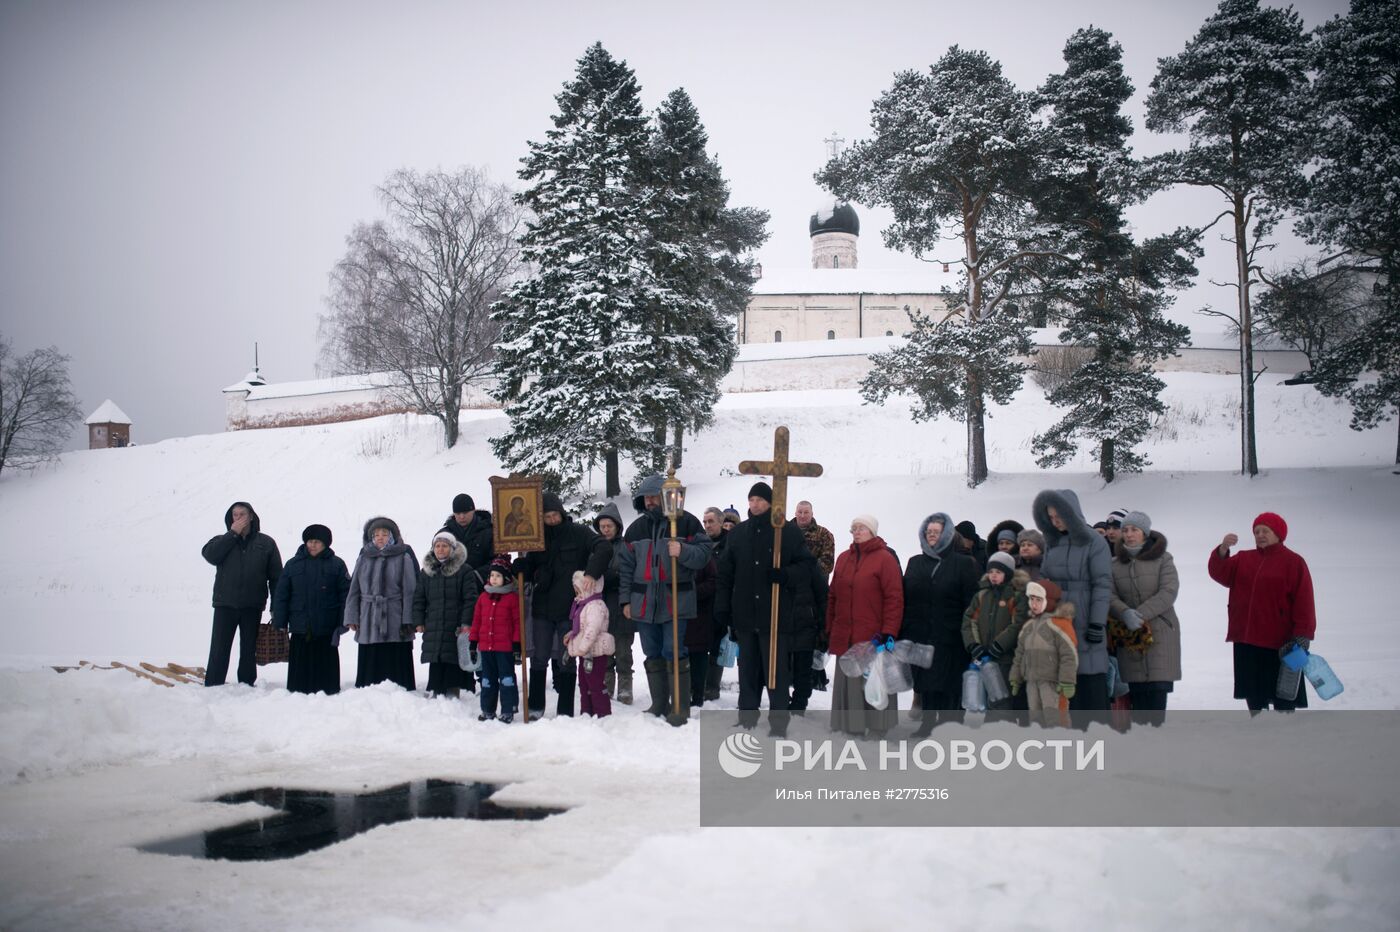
{"points": [[536, 696], [684, 716], [624, 688], [564, 683], [697, 683], [610, 683], [660, 685], [713, 674]]}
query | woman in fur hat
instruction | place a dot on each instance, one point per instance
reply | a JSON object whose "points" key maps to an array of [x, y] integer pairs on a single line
{"points": [[379, 608], [443, 604], [310, 602], [1145, 587], [865, 601]]}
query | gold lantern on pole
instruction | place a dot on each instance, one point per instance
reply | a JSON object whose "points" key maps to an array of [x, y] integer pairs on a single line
{"points": [[673, 506]]}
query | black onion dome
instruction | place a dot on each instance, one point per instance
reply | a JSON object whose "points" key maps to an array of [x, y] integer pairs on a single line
{"points": [[836, 217]]}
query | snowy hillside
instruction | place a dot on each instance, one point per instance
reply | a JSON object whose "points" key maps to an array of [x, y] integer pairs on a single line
{"points": [[107, 566]]}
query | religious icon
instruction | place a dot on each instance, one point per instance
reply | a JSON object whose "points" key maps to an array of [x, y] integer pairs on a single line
{"points": [[517, 522], [517, 509]]}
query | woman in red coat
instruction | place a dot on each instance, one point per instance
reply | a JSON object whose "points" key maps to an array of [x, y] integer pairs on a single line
{"points": [[865, 601], [1271, 608]]}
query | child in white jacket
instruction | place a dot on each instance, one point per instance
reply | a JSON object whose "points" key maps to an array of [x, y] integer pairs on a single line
{"points": [[588, 639]]}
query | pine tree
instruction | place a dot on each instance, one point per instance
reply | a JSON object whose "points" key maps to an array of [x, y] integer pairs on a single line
{"points": [[1238, 87], [701, 276], [1113, 291], [1353, 201], [955, 146], [572, 353]]}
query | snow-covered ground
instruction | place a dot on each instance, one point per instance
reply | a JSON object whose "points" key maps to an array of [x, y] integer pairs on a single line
{"points": [[105, 564]]}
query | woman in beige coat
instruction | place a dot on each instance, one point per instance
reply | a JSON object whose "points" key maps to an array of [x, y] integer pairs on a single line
{"points": [[1145, 586]]}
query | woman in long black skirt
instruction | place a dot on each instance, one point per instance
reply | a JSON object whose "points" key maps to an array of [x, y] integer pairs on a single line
{"points": [[310, 603], [379, 608]]}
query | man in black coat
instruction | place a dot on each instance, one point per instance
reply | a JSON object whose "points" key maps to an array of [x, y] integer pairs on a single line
{"points": [[248, 565], [567, 547], [473, 529], [744, 600]]}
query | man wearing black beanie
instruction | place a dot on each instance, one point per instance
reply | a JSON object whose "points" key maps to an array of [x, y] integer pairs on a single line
{"points": [[744, 601], [473, 529]]}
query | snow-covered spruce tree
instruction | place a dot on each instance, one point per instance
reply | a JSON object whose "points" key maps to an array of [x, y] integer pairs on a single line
{"points": [[1239, 89], [954, 147], [572, 358], [1112, 290], [701, 276], [1353, 200]]}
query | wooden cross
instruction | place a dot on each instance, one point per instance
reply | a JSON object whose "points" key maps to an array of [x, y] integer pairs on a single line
{"points": [[779, 467]]}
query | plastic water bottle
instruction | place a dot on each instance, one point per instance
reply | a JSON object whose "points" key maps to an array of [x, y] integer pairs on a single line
{"points": [[1288, 682], [973, 692], [992, 680], [1319, 673], [728, 652]]}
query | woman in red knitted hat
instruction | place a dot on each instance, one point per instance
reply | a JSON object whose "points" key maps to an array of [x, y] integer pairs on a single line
{"points": [[1271, 608]]}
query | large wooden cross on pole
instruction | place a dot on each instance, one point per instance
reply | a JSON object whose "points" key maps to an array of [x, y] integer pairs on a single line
{"points": [[779, 467]]}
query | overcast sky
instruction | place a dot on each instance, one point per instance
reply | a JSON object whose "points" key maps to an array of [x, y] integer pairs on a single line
{"points": [[177, 178]]}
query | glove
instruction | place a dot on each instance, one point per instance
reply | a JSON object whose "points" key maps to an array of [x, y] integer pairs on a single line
{"points": [[1301, 641], [1066, 690], [996, 651], [779, 575], [1015, 686], [1094, 635], [473, 645], [977, 650], [515, 654], [1132, 620], [882, 642], [520, 565]]}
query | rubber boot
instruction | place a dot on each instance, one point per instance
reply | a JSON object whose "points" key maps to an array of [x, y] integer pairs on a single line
{"points": [[535, 699], [713, 674], [660, 685], [697, 684], [564, 682], [624, 688], [684, 671]]}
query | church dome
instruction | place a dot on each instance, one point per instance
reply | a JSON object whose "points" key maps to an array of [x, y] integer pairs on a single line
{"points": [[835, 217]]}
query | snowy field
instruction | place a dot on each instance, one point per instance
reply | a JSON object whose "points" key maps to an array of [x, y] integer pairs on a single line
{"points": [[94, 763]]}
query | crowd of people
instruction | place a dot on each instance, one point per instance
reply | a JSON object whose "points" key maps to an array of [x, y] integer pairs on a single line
{"points": [[1065, 610]]}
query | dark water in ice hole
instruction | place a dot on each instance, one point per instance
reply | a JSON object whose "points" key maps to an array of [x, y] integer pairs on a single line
{"points": [[312, 819]]}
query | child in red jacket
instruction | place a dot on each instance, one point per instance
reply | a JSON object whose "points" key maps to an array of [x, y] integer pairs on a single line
{"points": [[495, 631]]}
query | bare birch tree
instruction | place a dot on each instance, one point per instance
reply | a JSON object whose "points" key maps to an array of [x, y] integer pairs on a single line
{"points": [[37, 406], [413, 293]]}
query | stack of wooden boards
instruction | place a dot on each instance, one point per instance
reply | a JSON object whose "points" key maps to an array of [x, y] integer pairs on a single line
{"points": [[168, 675]]}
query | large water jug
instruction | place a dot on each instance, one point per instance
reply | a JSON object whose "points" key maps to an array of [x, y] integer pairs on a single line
{"points": [[1319, 673], [1288, 682], [973, 692], [467, 659], [728, 652], [993, 681]]}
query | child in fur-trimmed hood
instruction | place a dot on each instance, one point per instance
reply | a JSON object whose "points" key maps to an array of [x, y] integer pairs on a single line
{"points": [[1047, 659]]}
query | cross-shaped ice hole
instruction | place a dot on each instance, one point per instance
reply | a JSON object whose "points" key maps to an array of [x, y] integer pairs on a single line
{"points": [[313, 819]]}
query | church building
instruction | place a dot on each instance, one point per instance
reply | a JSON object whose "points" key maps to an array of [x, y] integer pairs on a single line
{"points": [[836, 299]]}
